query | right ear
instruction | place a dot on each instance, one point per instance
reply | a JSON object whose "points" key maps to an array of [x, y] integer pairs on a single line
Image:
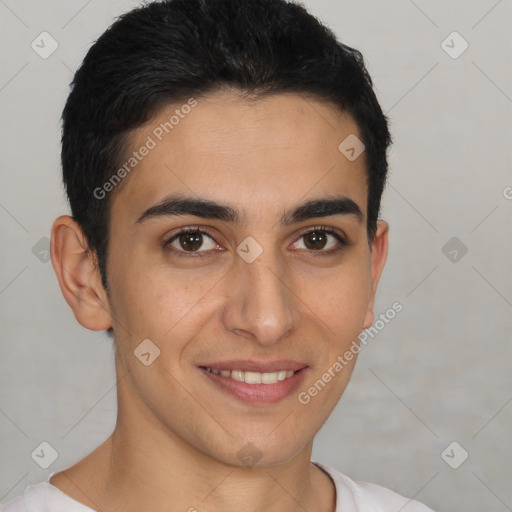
{"points": [[78, 275]]}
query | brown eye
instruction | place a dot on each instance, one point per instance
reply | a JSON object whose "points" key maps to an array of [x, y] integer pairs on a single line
{"points": [[321, 240], [191, 241], [315, 240]]}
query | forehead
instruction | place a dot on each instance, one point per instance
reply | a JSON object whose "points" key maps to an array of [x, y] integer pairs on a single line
{"points": [[256, 152]]}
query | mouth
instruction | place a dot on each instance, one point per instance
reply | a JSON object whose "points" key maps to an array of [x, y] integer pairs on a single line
{"points": [[242, 380], [254, 377]]}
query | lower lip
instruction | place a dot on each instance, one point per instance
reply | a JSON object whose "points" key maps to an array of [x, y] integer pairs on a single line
{"points": [[257, 393]]}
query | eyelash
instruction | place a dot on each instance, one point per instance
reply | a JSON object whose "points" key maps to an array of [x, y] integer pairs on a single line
{"points": [[200, 254]]}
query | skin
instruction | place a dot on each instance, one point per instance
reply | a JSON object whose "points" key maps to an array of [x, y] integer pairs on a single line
{"points": [[175, 444]]}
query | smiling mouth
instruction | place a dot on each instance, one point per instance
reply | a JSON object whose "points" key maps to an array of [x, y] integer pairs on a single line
{"points": [[256, 387], [253, 377]]}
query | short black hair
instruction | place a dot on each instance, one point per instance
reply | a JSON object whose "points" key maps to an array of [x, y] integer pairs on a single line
{"points": [[169, 51]]}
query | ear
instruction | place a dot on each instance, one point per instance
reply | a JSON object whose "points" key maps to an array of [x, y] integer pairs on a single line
{"points": [[78, 274], [379, 253]]}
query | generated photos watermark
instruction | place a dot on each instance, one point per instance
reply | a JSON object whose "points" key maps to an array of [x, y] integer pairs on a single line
{"points": [[304, 397], [157, 135]]}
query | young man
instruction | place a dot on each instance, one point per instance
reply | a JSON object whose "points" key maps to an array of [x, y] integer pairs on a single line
{"points": [[224, 162]]}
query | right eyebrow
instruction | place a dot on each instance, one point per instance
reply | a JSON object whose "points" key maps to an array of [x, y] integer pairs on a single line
{"points": [[176, 206]]}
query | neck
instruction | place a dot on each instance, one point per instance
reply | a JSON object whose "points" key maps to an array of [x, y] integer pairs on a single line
{"points": [[148, 474], [144, 466]]}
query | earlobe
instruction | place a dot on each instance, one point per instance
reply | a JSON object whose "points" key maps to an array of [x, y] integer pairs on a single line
{"points": [[78, 275], [379, 253]]}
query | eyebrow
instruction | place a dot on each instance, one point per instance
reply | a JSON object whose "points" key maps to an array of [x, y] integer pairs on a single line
{"points": [[176, 206]]}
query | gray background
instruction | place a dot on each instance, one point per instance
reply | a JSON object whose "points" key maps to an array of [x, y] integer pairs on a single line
{"points": [[438, 373]]}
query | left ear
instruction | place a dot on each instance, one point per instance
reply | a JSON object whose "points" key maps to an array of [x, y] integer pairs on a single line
{"points": [[379, 253]]}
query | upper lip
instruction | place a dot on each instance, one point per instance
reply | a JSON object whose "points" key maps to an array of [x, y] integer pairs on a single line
{"points": [[247, 365]]}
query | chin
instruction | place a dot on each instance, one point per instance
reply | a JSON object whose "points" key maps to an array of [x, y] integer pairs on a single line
{"points": [[260, 452]]}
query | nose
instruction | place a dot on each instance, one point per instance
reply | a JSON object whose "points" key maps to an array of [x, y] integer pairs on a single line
{"points": [[262, 304]]}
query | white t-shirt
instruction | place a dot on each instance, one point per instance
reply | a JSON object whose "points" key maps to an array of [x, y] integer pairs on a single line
{"points": [[351, 496]]}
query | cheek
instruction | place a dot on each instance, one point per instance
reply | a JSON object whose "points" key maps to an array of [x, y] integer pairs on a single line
{"points": [[159, 301], [341, 297]]}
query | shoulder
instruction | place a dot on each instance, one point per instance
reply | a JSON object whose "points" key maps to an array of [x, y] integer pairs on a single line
{"points": [[43, 497], [32, 500], [15, 505], [360, 496]]}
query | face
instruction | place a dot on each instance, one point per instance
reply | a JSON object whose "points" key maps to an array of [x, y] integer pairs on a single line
{"points": [[238, 247]]}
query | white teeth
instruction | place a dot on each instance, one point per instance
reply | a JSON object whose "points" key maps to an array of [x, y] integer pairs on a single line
{"points": [[237, 375], [268, 378], [254, 377]]}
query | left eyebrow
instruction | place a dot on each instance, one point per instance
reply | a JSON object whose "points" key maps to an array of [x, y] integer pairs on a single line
{"points": [[322, 208], [178, 205]]}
